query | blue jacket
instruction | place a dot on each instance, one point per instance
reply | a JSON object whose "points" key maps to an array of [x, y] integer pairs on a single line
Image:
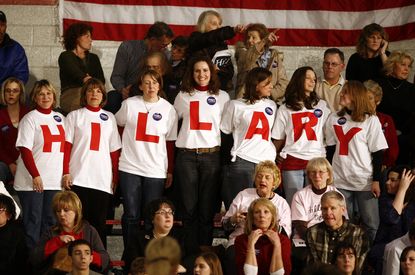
{"points": [[13, 60]]}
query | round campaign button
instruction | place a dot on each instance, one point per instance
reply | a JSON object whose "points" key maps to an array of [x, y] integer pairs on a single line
{"points": [[211, 100], [269, 111], [57, 118], [318, 113], [157, 116], [103, 116], [341, 120]]}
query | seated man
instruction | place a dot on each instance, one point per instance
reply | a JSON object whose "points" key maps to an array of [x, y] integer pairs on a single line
{"points": [[81, 254], [393, 250], [322, 238]]}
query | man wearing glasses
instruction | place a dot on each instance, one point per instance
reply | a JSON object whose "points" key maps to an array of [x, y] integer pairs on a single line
{"points": [[329, 87]]}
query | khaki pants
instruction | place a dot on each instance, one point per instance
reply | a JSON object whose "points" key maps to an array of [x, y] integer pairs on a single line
{"points": [[70, 100]]}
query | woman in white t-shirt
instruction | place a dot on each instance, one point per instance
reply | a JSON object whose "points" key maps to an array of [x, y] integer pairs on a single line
{"points": [[249, 120], [147, 156], [298, 129], [357, 134], [92, 149], [41, 142], [200, 105]]}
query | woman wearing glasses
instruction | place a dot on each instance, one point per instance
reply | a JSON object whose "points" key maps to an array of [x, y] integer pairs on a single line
{"points": [[13, 97], [161, 212]]}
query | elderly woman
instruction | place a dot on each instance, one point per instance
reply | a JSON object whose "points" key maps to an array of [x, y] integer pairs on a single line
{"points": [[13, 251], [370, 56], [255, 51], [399, 99], [209, 39], [262, 249], [70, 226], [305, 207], [77, 64], [267, 177], [93, 148], [161, 212], [41, 142], [13, 97]]}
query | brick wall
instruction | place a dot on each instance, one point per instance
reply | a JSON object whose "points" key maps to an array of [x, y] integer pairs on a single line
{"points": [[35, 25]]}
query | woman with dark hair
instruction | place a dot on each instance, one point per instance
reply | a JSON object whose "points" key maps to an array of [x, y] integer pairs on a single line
{"points": [[13, 97], [13, 251], [200, 104], [70, 226], [249, 120], [149, 125], [77, 65], [255, 51], [371, 54], [356, 134], [408, 261], [41, 142], [207, 263], [345, 259], [262, 249], [399, 101], [92, 148], [298, 129], [161, 213]]}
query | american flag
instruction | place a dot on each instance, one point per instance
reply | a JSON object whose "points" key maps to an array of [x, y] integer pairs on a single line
{"points": [[318, 23]]}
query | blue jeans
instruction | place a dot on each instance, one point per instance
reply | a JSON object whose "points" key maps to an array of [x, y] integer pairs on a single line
{"points": [[198, 177], [368, 209], [292, 181], [137, 191], [37, 214], [237, 177], [5, 174]]}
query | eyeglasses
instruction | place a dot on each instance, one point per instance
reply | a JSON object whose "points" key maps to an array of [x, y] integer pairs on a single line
{"points": [[331, 64], [165, 213], [320, 172], [11, 91], [2, 210]]}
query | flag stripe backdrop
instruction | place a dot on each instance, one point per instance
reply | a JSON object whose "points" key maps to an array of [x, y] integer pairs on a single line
{"points": [[301, 23]]}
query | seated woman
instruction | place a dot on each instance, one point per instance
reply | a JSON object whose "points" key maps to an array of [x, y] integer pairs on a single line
{"points": [[305, 207], [345, 259], [267, 177], [67, 208], [396, 212], [161, 212], [77, 65], [256, 51], [262, 249], [13, 251]]}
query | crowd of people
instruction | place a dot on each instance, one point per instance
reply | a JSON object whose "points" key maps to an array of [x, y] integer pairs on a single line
{"points": [[315, 173]]}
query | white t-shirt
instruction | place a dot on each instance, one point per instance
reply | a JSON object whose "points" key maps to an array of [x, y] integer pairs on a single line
{"points": [[306, 205], [355, 141], [201, 113], [241, 204], [303, 131], [94, 135], [147, 127], [44, 135], [251, 126]]}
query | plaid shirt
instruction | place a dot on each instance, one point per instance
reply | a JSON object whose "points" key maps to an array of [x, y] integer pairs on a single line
{"points": [[322, 242]]}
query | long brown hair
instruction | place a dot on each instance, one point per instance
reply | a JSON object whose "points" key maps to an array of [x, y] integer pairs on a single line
{"points": [[253, 78], [360, 101], [295, 97], [212, 261], [189, 83]]}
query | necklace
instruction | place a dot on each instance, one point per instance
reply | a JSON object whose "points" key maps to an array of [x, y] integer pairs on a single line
{"points": [[149, 105], [393, 87]]}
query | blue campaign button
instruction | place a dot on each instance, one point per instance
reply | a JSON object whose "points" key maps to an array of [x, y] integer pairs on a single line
{"points": [[157, 116], [57, 118], [318, 113], [342, 120], [103, 116], [211, 100], [269, 111]]}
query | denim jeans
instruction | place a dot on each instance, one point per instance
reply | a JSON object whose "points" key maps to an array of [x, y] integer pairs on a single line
{"points": [[5, 174], [37, 214], [137, 191], [198, 177], [368, 209], [237, 177], [292, 181]]}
